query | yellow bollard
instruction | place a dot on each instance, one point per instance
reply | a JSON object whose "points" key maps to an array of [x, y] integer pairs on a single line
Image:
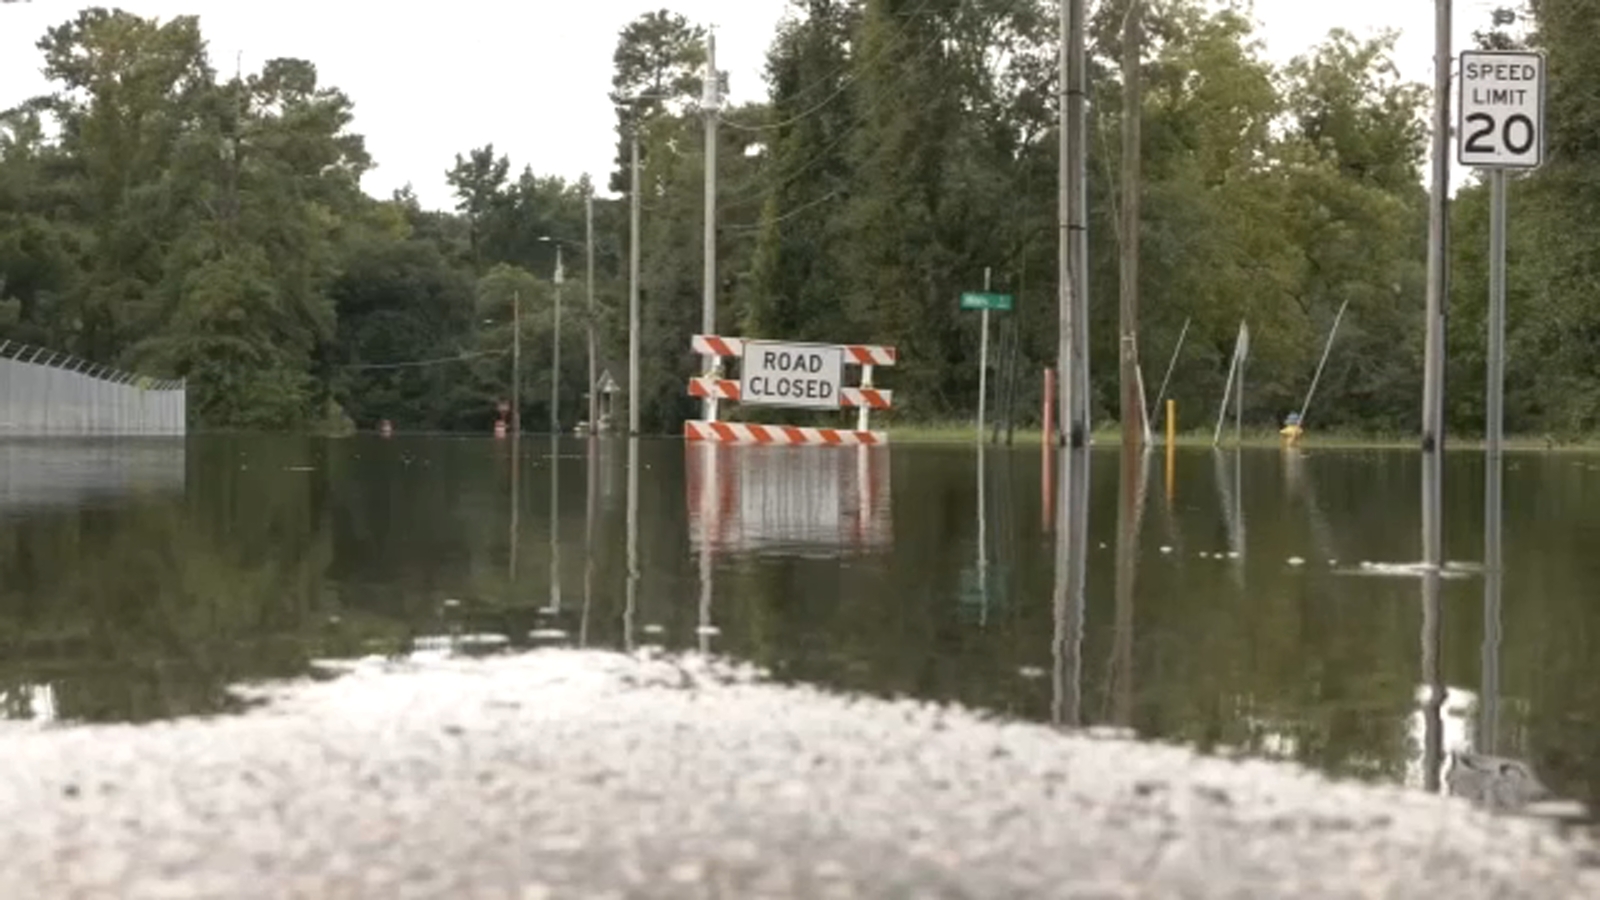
{"points": [[1172, 445]]}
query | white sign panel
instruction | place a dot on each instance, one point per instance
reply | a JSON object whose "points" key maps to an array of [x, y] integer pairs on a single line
{"points": [[805, 376], [1502, 110]]}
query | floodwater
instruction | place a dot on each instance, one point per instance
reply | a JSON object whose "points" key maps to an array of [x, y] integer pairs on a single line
{"points": [[1253, 600]]}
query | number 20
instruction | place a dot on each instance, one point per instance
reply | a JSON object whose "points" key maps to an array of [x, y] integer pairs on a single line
{"points": [[1478, 139]]}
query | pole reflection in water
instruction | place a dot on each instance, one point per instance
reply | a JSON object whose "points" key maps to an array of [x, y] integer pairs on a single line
{"points": [[1130, 515], [630, 610], [1432, 670], [710, 489], [512, 527], [1231, 489], [554, 608], [591, 502], [1072, 546], [1493, 573], [983, 537]]}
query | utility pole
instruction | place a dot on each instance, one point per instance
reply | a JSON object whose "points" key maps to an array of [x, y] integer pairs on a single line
{"points": [[555, 353], [1132, 413], [710, 105], [516, 362], [1073, 275], [633, 284], [588, 245], [1438, 292]]}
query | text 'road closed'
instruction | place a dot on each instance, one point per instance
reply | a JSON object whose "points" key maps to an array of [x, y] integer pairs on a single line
{"points": [[798, 375]]}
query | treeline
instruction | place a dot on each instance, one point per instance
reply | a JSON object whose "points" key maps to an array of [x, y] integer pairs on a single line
{"points": [[157, 215]]}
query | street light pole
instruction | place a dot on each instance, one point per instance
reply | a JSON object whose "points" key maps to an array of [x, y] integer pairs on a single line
{"points": [[516, 362], [555, 354], [588, 244], [633, 285]]}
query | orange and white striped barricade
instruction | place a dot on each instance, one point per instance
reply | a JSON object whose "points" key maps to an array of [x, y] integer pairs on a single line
{"points": [[791, 375]]}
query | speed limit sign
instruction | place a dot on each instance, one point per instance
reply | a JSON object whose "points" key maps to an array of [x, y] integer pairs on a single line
{"points": [[1502, 110]]}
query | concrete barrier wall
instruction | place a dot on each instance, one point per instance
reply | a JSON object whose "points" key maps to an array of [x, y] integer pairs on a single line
{"points": [[46, 393]]}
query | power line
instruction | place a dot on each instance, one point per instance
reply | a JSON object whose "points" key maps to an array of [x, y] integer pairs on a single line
{"points": [[849, 80], [419, 363], [786, 216]]}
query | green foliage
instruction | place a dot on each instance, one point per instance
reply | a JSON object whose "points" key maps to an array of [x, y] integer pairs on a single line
{"points": [[155, 215]]}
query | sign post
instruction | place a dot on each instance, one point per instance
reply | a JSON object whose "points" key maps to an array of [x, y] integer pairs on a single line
{"points": [[1502, 127], [984, 301]]}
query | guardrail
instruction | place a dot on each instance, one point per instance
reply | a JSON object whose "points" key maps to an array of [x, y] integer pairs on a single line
{"points": [[48, 393]]}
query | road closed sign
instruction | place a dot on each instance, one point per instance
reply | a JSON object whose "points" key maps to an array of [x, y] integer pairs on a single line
{"points": [[805, 376], [1502, 110]]}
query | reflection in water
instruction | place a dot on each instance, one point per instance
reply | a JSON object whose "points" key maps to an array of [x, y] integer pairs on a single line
{"points": [[1230, 492], [515, 500], [1130, 515], [554, 609], [591, 503], [787, 500], [1068, 600], [270, 553], [630, 613], [39, 474], [705, 459]]}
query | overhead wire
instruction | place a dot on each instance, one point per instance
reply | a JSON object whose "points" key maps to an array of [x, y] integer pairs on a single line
{"points": [[849, 79], [419, 363], [766, 185]]}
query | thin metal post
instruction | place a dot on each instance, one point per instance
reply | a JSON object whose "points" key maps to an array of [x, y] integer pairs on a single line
{"points": [[1133, 433], [1326, 349], [1238, 395], [983, 359], [1161, 393], [555, 352], [1227, 389], [1495, 428], [588, 243], [633, 288], [708, 308], [1073, 275], [1438, 293], [1497, 327], [516, 362]]}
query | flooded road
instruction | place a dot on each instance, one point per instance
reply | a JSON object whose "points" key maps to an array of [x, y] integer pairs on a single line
{"points": [[1255, 599]]}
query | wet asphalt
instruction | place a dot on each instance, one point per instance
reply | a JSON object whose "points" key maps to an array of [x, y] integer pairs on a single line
{"points": [[596, 775]]}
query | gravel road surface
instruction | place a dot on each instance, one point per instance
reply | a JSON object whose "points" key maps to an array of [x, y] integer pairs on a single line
{"points": [[586, 774]]}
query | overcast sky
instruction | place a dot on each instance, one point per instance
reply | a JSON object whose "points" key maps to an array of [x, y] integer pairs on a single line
{"points": [[431, 80]]}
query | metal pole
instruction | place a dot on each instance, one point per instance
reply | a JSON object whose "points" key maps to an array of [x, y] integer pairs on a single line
{"points": [[1227, 389], [708, 308], [1064, 223], [633, 287], [588, 243], [1238, 395], [1438, 292], [555, 353], [1171, 364], [1497, 329], [516, 362], [1489, 700], [1326, 349], [983, 359], [1133, 433], [1077, 226]]}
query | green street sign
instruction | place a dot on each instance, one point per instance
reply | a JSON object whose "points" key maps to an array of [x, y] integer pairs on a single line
{"points": [[979, 300]]}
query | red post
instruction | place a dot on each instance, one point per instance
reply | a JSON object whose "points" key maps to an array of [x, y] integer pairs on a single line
{"points": [[1049, 406]]}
